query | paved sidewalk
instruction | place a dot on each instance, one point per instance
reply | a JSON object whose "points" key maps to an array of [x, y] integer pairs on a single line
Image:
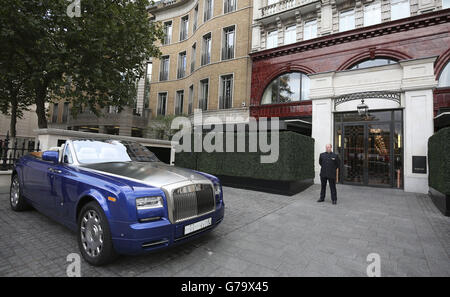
{"points": [[261, 235]]}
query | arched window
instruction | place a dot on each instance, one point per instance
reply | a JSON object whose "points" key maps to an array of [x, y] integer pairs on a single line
{"points": [[288, 87], [444, 77], [373, 62]]}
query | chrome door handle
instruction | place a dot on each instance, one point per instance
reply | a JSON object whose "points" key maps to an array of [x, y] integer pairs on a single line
{"points": [[54, 170]]}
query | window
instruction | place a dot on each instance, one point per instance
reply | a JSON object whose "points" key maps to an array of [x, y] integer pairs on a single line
{"points": [[194, 25], [179, 102], [162, 104], [193, 54], [55, 113], [226, 91], [290, 34], [445, 4], [272, 39], [184, 27], [228, 43], [67, 156], [347, 20], [167, 32], [270, 2], [190, 99], [181, 72], [148, 80], [206, 54], [204, 92], [208, 10], [229, 6], [444, 77], [310, 30], [372, 14], [164, 71], [399, 9], [65, 112], [372, 63], [289, 87]]}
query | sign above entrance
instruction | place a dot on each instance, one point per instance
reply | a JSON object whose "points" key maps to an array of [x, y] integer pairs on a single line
{"points": [[386, 95]]}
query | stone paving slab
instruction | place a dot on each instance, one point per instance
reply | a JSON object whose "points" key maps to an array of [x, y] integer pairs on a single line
{"points": [[262, 235]]}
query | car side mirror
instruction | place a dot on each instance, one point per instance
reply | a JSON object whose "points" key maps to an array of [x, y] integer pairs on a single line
{"points": [[52, 156]]}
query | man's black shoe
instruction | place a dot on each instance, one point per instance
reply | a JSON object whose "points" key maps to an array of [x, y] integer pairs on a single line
{"points": [[334, 202], [320, 200]]}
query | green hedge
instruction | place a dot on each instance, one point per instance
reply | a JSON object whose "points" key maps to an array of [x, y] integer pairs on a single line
{"points": [[295, 161], [439, 161]]}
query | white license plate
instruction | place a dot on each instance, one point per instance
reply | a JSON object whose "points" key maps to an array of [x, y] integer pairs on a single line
{"points": [[197, 226]]}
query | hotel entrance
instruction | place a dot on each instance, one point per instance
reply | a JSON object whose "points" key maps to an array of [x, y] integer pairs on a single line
{"points": [[370, 148]]}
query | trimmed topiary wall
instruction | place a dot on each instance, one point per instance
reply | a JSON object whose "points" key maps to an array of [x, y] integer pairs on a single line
{"points": [[295, 160], [439, 165], [439, 161]]}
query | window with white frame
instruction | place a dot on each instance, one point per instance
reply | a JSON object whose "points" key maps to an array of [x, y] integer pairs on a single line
{"points": [[193, 56], [204, 92], [399, 9], [346, 20], [167, 32], [226, 91], [208, 10], [179, 100], [190, 99], [310, 30], [444, 77], [164, 70], [194, 25], [206, 49], [290, 34], [272, 39], [229, 6], [372, 14], [445, 4], [228, 43], [181, 72], [162, 104], [184, 26]]}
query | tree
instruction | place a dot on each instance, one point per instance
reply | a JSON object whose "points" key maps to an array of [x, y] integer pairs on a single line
{"points": [[14, 94], [93, 60]]}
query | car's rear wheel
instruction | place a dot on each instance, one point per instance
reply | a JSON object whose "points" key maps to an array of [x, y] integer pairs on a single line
{"points": [[16, 199], [94, 236]]}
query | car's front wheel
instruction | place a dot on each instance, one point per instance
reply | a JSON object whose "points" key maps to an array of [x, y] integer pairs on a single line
{"points": [[94, 236], [16, 199]]}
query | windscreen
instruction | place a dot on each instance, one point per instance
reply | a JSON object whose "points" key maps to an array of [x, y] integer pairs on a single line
{"points": [[98, 151]]}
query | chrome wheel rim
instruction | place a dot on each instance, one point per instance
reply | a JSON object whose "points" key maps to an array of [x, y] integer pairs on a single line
{"points": [[15, 192], [91, 233]]}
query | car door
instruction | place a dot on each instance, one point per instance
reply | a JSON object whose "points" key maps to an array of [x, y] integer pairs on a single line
{"points": [[64, 186], [38, 179]]}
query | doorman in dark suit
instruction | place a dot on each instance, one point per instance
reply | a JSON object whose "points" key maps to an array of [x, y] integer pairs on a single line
{"points": [[329, 163]]}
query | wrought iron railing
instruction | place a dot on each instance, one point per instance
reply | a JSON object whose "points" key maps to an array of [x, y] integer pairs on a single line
{"points": [[12, 149]]}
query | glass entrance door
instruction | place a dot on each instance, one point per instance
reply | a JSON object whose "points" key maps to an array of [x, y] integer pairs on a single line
{"points": [[379, 154], [370, 148], [354, 154]]}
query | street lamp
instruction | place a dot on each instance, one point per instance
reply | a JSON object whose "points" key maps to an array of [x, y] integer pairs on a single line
{"points": [[363, 109]]}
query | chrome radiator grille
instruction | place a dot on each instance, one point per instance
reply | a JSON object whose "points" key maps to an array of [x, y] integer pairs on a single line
{"points": [[191, 201]]}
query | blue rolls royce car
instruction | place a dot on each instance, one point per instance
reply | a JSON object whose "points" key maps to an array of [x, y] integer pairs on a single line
{"points": [[117, 196]]}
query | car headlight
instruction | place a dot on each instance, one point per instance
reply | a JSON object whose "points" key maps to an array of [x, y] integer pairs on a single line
{"points": [[149, 202], [217, 189]]}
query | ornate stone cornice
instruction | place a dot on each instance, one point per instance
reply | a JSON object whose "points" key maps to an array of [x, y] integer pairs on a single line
{"points": [[406, 24]]}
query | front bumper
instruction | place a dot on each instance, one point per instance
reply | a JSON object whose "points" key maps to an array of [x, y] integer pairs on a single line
{"points": [[138, 238]]}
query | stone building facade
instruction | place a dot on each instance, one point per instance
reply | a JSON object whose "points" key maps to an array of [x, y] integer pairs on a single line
{"points": [[317, 61], [205, 61]]}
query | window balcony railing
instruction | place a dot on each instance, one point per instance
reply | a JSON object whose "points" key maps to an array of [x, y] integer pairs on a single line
{"points": [[282, 5]]}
